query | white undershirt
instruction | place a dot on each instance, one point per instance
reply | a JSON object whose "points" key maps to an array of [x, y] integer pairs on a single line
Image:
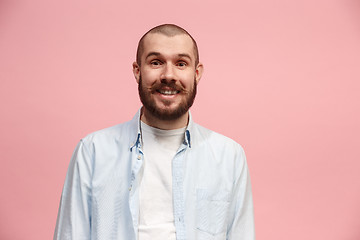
{"points": [[156, 217]]}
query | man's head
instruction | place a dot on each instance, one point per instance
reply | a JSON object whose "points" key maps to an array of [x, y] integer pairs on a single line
{"points": [[167, 70], [168, 30]]}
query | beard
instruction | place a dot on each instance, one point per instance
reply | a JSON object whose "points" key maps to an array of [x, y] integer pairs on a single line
{"points": [[166, 114]]}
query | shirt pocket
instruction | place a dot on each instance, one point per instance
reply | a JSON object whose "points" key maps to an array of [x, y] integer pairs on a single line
{"points": [[212, 210]]}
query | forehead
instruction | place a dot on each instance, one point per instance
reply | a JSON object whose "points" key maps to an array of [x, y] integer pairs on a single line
{"points": [[165, 45]]}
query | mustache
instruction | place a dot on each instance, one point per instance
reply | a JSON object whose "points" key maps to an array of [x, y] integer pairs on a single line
{"points": [[167, 85]]}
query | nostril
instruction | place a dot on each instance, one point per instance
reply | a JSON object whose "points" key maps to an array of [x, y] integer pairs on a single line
{"points": [[164, 80]]}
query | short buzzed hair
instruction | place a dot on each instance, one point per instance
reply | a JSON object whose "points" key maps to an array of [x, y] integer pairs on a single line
{"points": [[168, 30]]}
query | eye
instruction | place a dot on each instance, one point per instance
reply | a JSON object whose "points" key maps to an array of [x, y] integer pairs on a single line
{"points": [[181, 64], [155, 62]]}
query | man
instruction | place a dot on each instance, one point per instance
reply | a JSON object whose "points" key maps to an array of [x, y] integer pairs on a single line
{"points": [[160, 175]]}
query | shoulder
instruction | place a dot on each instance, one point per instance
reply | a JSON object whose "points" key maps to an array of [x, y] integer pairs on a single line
{"points": [[120, 133], [218, 152], [206, 136]]}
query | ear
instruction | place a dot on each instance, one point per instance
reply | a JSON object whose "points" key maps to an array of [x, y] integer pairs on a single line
{"points": [[198, 72], [136, 71]]}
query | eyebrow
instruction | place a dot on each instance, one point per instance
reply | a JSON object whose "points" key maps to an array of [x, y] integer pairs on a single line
{"points": [[184, 55], [152, 54], [158, 54]]}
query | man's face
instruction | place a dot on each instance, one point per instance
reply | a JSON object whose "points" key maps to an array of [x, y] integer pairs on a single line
{"points": [[167, 76]]}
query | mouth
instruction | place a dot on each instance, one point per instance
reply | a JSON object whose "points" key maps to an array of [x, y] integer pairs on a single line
{"points": [[167, 92]]}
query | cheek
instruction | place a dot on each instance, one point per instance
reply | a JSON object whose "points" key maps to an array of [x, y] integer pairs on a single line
{"points": [[188, 80], [150, 74], [147, 78]]}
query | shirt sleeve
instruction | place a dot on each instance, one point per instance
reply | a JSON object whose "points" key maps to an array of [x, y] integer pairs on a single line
{"points": [[242, 215], [74, 216]]}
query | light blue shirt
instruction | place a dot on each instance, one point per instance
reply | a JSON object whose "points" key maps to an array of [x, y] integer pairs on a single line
{"points": [[212, 196]]}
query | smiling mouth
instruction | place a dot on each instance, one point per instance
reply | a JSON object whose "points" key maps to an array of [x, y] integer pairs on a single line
{"points": [[167, 92]]}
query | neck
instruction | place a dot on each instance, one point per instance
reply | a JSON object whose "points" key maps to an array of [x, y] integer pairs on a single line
{"points": [[152, 121]]}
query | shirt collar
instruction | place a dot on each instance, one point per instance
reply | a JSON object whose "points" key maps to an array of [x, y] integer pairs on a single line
{"points": [[188, 131], [135, 132]]}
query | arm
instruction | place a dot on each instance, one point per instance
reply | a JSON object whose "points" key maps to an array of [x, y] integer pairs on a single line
{"points": [[74, 216], [242, 215]]}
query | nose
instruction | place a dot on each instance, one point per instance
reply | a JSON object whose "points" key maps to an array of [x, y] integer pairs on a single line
{"points": [[168, 73]]}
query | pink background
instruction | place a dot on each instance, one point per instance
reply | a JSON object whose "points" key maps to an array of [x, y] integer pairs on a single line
{"points": [[281, 78]]}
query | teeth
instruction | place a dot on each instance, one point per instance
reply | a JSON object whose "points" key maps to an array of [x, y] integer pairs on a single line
{"points": [[167, 92]]}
